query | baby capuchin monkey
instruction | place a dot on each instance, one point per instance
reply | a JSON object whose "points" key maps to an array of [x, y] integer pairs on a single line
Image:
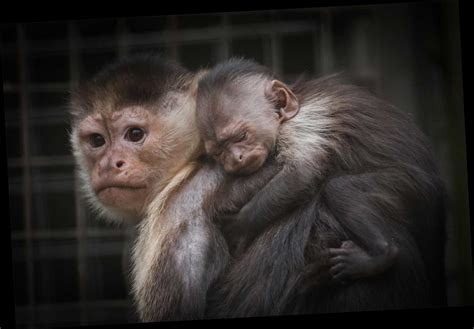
{"points": [[325, 139]]}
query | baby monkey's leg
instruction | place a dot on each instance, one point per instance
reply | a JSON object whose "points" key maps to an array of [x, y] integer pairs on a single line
{"points": [[351, 262]]}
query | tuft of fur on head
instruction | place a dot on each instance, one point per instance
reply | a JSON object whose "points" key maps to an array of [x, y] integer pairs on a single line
{"points": [[232, 72], [136, 80]]}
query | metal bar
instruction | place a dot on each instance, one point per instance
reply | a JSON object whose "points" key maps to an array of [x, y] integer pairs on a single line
{"points": [[111, 303], [175, 36], [46, 118], [173, 51], [70, 234], [24, 108], [51, 249], [123, 39], [377, 50], [267, 51], [74, 41], [39, 87], [225, 40], [276, 54], [54, 312], [326, 42], [42, 161], [317, 50]]}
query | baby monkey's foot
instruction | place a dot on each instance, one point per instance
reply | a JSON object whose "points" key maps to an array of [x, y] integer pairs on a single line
{"points": [[350, 262]]}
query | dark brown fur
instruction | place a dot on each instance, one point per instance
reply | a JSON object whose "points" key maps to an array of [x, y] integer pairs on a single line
{"points": [[364, 172]]}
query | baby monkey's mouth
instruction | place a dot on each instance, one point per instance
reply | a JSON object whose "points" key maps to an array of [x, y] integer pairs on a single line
{"points": [[248, 168]]}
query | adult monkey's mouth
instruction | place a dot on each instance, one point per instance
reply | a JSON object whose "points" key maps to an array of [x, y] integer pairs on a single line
{"points": [[102, 188]]}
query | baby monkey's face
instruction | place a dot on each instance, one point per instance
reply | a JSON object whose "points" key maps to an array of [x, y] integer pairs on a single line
{"points": [[242, 146], [240, 124]]}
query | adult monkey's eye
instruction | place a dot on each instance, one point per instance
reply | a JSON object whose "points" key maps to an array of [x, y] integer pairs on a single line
{"points": [[135, 134], [97, 140]]}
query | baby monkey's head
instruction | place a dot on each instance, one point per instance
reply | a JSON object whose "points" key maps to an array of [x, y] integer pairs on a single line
{"points": [[240, 106]]}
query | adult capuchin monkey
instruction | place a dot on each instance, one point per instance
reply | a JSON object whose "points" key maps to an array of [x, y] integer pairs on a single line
{"points": [[137, 149], [138, 152], [371, 166], [136, 145]]}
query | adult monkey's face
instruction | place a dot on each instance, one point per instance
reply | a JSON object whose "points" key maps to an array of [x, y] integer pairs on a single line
{"points": [[133, 129], [119, 150]]}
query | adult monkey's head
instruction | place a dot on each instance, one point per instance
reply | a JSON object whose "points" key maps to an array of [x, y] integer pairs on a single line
{"points": [[132, 131]]}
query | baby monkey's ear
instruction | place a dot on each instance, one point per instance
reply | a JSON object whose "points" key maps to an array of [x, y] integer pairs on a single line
{"points": [[286, 103]]}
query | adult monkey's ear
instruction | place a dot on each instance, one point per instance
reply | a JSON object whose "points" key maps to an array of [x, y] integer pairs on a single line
{"points": [[287, 105]]}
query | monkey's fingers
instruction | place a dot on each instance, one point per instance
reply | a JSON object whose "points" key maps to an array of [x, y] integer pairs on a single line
{"points": [[336, 260], [342, 277], [338, 251], [348, 244], [336, 269]]}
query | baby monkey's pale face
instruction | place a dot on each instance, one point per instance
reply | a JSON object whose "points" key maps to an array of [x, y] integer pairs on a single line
{"points": [[244, 124], [241, 145]]}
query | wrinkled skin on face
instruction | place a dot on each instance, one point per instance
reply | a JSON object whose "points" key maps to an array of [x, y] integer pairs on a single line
{"points": [[240, 147], [122, 157], [242, 123]]}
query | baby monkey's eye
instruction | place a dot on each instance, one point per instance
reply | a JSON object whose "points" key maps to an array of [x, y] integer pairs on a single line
{"points": [[97, 140], [242, 136], [135, 134]]}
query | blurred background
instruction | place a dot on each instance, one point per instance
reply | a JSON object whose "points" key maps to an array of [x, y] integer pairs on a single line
{"points": [[68, 266]]}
